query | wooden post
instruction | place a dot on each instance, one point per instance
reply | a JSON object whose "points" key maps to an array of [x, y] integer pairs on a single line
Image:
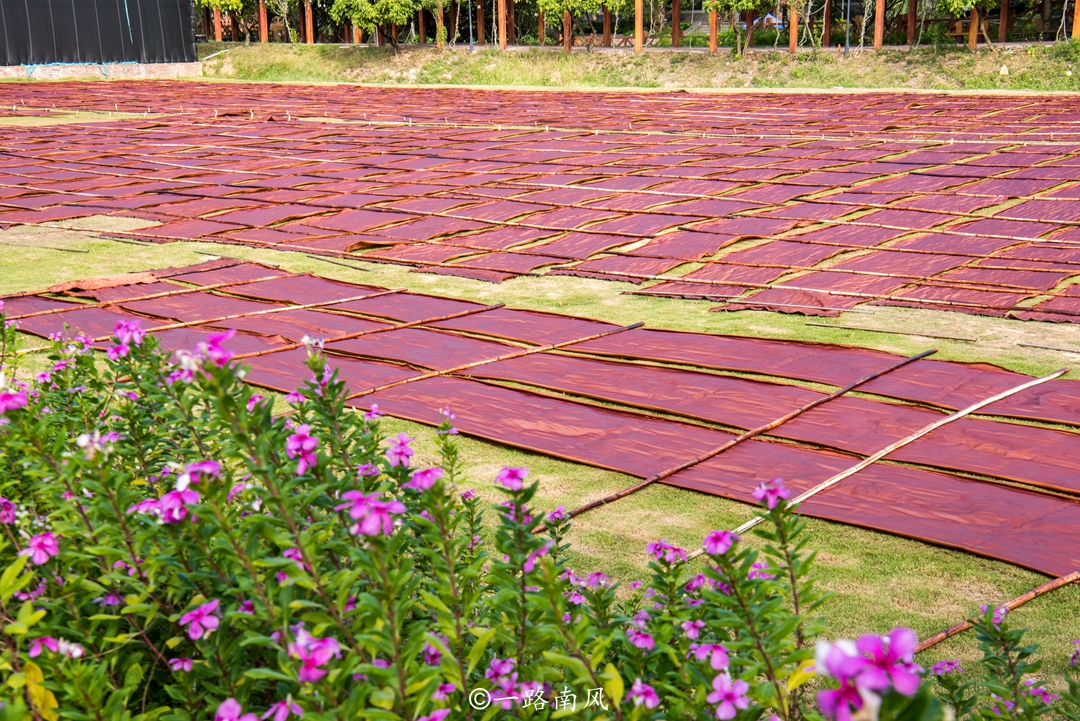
{"points": [[714, 31], [826, 32], [511, 33], [355, 35], [1076, 21], [751, 21], [639, 25], [440, 25], [309, 22], [208, 24], [912, 18], [300, 25], [502, 24], [879, 24], [607, 27], [1003, 24], [540, 29], [217, 24], [264, 27], [973, 30], [567, 32], [421, 26], [676, 25], [480, 22], [793, 28]]}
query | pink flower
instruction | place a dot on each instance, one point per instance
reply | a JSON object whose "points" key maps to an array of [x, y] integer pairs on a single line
{"points": [[731, 695], [378, 520], [230, 710], [129, 332], [717, 655], [432, 654], [890, 661], [662, 550], [999, 613], [358, 503], [373, 414], [468, 495], [213, 349], [44, 642], [437, 714], [444, 690], [512, 478], [530, 560], [41, 548], [942, 668], [500, 668], [640, 639], [559, 514], [843, 662], [692, 629], [770, 492], [643, 694], [196, 471], [281, 710], [172, 508], [759, 570], [597, 579], [717, 543], [7, 510], [425, 479], [70, 649], [295, 398], [253, 401], [117, 352], [313, 653], [201, 621], [149, 506], [399, 452], [12, 401], [180, 664], [246, 607], [301, 445]]}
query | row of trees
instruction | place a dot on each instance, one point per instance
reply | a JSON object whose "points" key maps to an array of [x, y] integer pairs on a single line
{"points": [[808, 23]]}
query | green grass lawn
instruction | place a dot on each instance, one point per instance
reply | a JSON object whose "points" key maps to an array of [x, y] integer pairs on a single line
{"points": [[878, 581], [1044, 67]]}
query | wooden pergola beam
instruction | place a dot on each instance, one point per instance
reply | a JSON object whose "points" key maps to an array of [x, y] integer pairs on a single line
{"points": [[264, 28], [639, 26], [793, 28], [879, 24]]}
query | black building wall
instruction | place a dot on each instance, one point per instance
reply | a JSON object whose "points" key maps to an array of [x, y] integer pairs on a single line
{"points": [[36, 32]]}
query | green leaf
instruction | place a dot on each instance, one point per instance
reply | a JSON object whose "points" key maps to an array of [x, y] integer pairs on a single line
{"points": [[9, 580], [484, 635], [268, 673]]}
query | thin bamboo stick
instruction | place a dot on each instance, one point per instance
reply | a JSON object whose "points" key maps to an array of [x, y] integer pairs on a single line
{"points": [[232, 257], [870, 460], [896, 332], [152, 296], [506, 356], [370, 331], [1018, 601], [1048, 347], [235, 316], [747, 435], [337, 262]]}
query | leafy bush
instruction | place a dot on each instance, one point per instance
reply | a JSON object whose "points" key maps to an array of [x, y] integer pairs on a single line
{"points": [[172, 550]]}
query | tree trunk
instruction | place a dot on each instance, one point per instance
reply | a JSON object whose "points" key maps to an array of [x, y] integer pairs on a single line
{"points": [[439, 25], [676, 25], [793, 27], [879, 24], [751, 23], [639, 26], [826, 32]]}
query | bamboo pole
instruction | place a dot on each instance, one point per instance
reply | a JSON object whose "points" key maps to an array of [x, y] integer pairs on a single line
{"points": [[896, 332], [1047, 347], [1018, 601], [235, 316], [747, 435], [152, 296], [507, 356], [870, 460], [372, 331], [639, 26], [879, 24]]}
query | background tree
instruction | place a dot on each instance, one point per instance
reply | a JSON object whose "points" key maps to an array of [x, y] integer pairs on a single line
{"points": [[759, 7], [437, 9], [567, 9], [371, 15], [977, 9], [283, 9]]}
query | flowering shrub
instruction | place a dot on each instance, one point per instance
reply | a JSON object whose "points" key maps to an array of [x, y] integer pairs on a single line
{"points": [[172, 550]]}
